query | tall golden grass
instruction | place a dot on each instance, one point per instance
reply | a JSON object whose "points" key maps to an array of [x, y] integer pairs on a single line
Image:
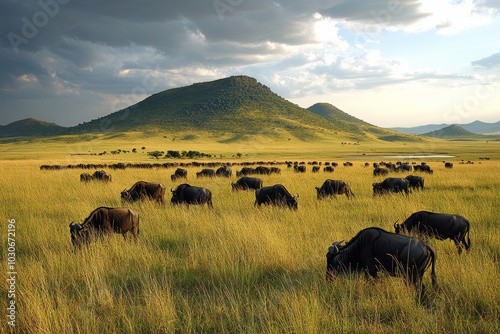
{"points": [[238, 268]]}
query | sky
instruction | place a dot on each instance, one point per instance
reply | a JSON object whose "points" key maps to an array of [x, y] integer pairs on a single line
{"points": [[388, 62]]}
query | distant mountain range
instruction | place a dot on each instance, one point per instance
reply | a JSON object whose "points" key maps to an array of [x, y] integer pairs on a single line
{"points": [[237, 106], [477, 127]]}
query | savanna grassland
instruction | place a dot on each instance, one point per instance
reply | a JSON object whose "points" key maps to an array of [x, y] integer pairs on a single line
{"points": [[238, 268]]}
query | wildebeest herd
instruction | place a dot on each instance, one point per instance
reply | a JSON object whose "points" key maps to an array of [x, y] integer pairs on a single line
{"points": [[370, 251]]}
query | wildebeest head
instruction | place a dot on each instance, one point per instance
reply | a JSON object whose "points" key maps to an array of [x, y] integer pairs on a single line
{"points": [[125, 196], [378, 189], [178, 193], [80, 234], [321, 192], [292, 202], [398, 228], [333, 263]]}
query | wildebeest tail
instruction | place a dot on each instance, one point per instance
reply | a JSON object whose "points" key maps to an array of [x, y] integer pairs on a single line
{"points": [[467, 244], [433, 267]]}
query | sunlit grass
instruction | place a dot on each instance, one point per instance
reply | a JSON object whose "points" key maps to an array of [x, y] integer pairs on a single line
{"points": [[239, 268]]}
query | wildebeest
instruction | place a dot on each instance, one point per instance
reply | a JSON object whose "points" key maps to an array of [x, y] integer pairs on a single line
{"points": [[374, 249], [328, 169], [423, 168], [315, 169], [206, 172], [85, 177], [380, 171], [224, 171], [246, 182], [439, 225], [276, 195], [334, 187], [448, 165], [178, 174], [142, 190], [416, 182], [391, 184], [105, 220], [101, 176], [187, 194], [299, 169]]}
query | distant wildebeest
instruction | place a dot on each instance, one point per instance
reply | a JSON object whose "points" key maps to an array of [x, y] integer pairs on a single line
{"points": [[391, 184], [142, 190], [380, 171], [101, 176], [404, 167], [245, 171], [423, 168], [416, 182], [178, 174], [246, 182], [206, 172], [187, 194], [328, 169], [448, 165], [315, 169], [299, 169], [374, 249], [438, 225], [104, 220], [224, 171], [334, 187], [276, 195], [85, 177]]}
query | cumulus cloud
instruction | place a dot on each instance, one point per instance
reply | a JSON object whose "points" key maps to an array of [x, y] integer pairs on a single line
{"points": [[107, 50]]}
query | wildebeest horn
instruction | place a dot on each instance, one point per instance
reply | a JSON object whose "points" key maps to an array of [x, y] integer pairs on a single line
{"points": [[71, 224], [396, 223], [297, 196], [172, 189], [334, 249]]}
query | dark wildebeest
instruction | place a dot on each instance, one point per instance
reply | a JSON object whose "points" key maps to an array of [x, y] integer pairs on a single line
{"points": [[245, 171], [328, 169], [416, 182], [104, 220], [438, 225], [207, 172], [423, 168], [391, 184], [334, 187], [299, 169], [142, 190], [245, 183], [85, 177], [178, 174], [374, 249], [187, 194], [448, 165], [315, 169], [101, 176], [380, 171], [224, 171], [276, 195]]}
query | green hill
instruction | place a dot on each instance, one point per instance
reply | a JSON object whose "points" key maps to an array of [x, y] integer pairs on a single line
{"points": [[351, 124], [453, 132], [30, 127]]}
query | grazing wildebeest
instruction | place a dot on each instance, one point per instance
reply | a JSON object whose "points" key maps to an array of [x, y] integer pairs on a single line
{"points": [[315, 169], [380, 171], [438, 225], [423, 168], [142, 190], [391, 184], [328, 169], [187, 194], [85, 177], [416, 182], [245, 183], [448, 165], [206, 172], [275, 195], [178, 174], [299, 169], [334, 187], [374, 249], [224, 171], [102, 176], [246, 171], [104, 220]]}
